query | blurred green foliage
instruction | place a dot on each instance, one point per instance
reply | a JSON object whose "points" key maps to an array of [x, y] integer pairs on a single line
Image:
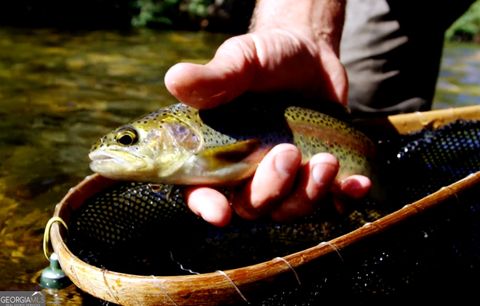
{"points": [[231, 16], [226, 15], [467, 27], [167, 12], [214, 15], [151, 11]]}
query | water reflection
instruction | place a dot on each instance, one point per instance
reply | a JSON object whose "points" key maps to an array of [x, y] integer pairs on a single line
{"points": [[459, 80]]}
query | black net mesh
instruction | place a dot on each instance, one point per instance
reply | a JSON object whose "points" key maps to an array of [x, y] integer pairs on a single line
{"points": [[146, 229]]}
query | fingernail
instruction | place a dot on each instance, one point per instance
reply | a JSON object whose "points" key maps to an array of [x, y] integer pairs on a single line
{"points": [[353, 188], [350, 185], [323, 169], [322, 173], [286, 162]]}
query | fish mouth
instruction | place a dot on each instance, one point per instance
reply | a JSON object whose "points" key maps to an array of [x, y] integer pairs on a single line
{"points": [[115, 161]]}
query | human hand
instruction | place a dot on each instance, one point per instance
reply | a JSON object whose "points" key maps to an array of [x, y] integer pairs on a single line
{"points": [[269, 60], [281, 187], [263, 61]]}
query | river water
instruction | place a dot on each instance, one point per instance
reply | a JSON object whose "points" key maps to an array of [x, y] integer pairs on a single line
{"points": [[458, 84], [60, 91]]}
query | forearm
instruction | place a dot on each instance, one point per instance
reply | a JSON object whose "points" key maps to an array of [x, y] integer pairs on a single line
{"points": [[322, 19]]}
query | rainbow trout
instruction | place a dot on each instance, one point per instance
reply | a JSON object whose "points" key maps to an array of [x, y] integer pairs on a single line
{"points": [[179, 144]]}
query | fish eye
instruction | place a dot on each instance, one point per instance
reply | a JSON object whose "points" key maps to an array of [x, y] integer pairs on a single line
{"points": [[127, 136]]}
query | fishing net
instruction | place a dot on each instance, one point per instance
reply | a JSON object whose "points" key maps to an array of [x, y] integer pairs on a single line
{"points": [[146, 229]]}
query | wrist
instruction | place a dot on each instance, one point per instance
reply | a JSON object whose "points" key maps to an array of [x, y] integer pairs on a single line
{"points": [[319, 20]]}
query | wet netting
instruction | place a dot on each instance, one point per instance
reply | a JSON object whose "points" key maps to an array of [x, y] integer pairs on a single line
{"points": [[146, 229]]}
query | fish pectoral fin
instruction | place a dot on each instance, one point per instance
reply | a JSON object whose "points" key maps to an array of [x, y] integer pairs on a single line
{"points": [[231, 153]]}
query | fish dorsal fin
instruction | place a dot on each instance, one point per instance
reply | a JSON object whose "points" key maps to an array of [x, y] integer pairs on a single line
{"points": [[230, 153]]}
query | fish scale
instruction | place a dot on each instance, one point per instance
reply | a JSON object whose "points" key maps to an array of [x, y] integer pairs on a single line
{"points": [[311, 134]]}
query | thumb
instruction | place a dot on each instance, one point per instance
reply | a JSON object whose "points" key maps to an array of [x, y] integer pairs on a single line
{"points": [[225, 77]]}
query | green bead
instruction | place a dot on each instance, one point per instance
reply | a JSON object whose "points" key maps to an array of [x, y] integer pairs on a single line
{"points": [[53, 276]]}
